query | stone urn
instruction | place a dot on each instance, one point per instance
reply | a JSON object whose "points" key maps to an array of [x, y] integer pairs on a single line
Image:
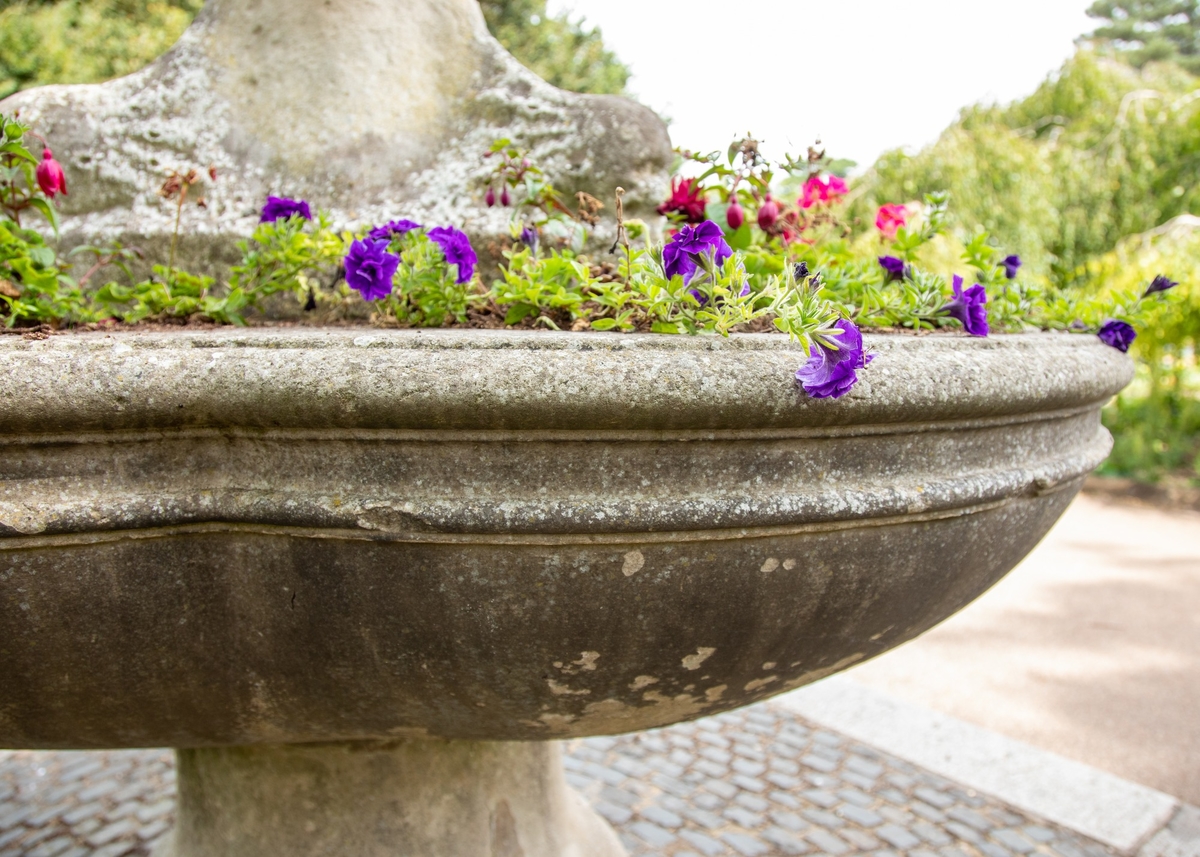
{"points": [[369, 109], [365, 580]]}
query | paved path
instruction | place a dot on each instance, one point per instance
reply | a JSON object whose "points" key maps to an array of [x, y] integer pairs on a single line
{"points": [[760, 781], [1089, 649]]}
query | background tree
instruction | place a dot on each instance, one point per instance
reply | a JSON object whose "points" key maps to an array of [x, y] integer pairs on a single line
{"points": [[88, 41], [1146, 30]]}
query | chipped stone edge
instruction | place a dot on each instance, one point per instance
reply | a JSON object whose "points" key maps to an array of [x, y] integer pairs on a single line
{"points": [[1101, 806]]}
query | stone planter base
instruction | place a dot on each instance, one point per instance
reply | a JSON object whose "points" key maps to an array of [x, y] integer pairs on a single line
{"points": [[414, 798]]}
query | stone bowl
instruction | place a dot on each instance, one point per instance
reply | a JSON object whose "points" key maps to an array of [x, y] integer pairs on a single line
{"points": [[286, 536]]}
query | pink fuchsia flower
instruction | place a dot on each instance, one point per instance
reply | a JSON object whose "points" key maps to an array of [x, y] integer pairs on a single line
{"points": [[833, 363], [1118, 335], [969, 307], [457, 249], [505, 199], [768, 214], [818, 190], [489, 198], [50, 176], [890, 218], [681, 255], [735, 215], [370, 268], [687, 198], [281, 208]]}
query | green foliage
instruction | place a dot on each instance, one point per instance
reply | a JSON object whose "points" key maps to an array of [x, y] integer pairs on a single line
{"points": [[1144, 31], [560, 50], [88, 41], [425, 289], [1097, 153], [85, 41]]}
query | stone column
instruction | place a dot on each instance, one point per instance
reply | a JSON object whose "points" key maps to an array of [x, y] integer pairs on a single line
{"points": [[413, 798], [373, 109]]}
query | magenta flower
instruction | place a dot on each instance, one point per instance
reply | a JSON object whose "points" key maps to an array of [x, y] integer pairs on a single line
{"points": [[818, 190], [370, 268], [768, 213], [1118, 335], [735, 215], [682, 255], [490, 197], [281, 208], [456, 247], [1011, 265], [969, 307], [833, 364], [392, 228], [687, 198], [894, 268], [50, 176], [890, 218], [1161, 283]]}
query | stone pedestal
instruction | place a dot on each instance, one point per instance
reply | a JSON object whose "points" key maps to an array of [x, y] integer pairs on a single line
{"points": [[372, 109], [412, 798]]}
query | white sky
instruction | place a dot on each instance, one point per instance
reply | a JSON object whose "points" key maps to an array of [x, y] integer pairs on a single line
{"points": [[864, 75]]}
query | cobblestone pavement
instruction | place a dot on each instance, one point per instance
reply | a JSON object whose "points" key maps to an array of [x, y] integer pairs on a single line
{"points": [[759, 781]]}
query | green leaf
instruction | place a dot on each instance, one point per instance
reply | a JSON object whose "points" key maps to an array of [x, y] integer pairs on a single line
{"points": [[19, 151], [519, 312], [604, 324], [664, 327], [47, 211]]}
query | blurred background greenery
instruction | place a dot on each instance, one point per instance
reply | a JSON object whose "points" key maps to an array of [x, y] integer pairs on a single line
{"points": [[1093, 178]]}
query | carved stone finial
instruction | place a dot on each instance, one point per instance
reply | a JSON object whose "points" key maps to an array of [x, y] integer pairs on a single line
{"points": [[373, 109]]}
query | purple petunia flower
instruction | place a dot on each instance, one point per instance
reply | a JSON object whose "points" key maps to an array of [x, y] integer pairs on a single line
{"points": [[1117, 334], [682, 254], [1161, 283], [392, 228], [1011, 265], [833, 364], [281, 208], [894, 268], [529, 237], [370, 268], [456, 247], [969, 307]]}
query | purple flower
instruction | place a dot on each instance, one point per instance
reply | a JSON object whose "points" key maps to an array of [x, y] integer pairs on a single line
{"points": [[682, 254], [833, 364], [801, 271], [391, 228], [893, 267], [969, 307], [456, 247], [370, 268], [1011, 264], [281, 208], [529, 237], [1117, 334], [1161, 284]]}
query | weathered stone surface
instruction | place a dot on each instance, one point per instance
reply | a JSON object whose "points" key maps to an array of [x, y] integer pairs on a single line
{"points": [[263, 537], [374, 109], [416, 798]]}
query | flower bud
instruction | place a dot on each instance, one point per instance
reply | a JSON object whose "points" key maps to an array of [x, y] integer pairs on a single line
{"points": [[768, 213], [505, 199], [735, 216], [490, 197], [50, 176]]}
